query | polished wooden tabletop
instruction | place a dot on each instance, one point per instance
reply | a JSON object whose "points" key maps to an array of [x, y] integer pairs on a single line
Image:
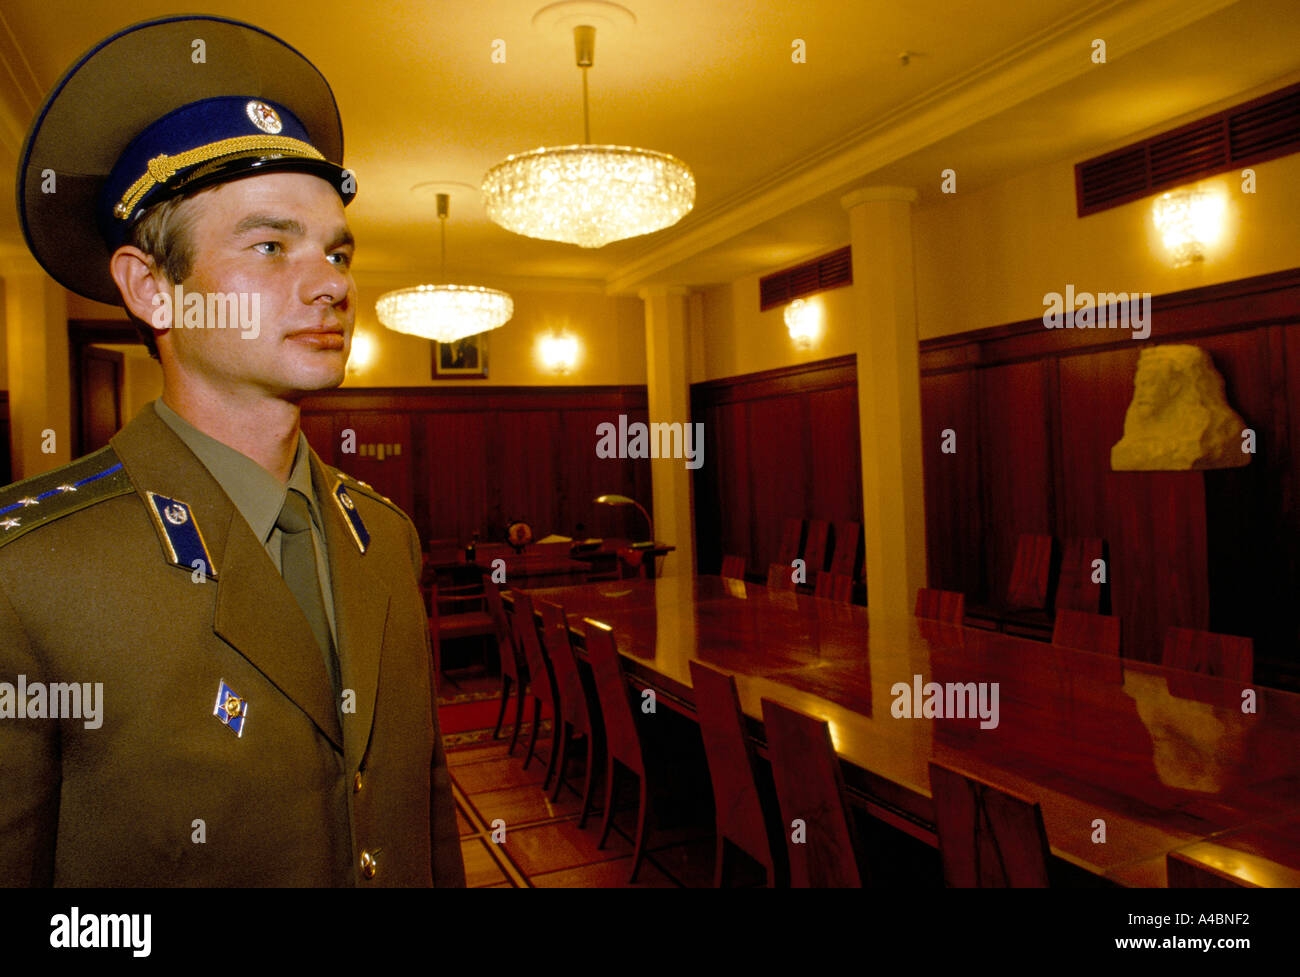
{"points": [[1150, 759]]}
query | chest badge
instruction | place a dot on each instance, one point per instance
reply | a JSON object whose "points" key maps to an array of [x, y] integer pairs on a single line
{"points": [[231, 709]]}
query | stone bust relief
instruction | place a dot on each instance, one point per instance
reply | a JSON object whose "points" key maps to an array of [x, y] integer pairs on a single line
{"points": [[1179, 419]]}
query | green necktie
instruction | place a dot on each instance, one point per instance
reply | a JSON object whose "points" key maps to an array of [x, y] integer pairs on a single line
{"points": [[298, 567]]}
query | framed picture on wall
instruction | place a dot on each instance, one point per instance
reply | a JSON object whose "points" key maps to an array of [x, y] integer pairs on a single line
{"points": [[465, 359]]}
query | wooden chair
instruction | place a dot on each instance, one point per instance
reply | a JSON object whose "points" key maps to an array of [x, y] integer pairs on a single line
{"points": [[815, 548], [514, 667], [988, 837], [947, 606], [834, 586], [1188, 873], [810, 790], [1075, 590], [622, 737], [844, 558], [1023, 608], [733, 768], [1221, 655], [778, 577], [632, 563], [542, 680], [1031, 573], [1086, 631], [791, 541], [733, 567], [573, 718]]}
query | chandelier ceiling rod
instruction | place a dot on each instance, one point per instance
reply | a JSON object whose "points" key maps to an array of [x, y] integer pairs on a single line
{"points": [[584, 46], [443, 209]]}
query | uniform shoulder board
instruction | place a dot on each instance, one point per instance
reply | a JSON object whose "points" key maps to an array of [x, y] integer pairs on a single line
{"points": [[364, 488], [41, 499]]}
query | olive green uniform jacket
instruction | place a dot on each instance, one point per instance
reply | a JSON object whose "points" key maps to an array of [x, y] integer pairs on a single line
{"points": [[314, 791]]}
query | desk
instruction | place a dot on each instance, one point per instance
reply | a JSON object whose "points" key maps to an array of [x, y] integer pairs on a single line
{"points": [[530, 569], [1166, 759]]}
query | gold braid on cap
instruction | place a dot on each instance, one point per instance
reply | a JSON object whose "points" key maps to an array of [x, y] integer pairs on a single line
{"points": [[163, 168]]}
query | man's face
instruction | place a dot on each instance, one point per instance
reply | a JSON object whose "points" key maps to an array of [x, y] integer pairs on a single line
{"points": [[1155, 388], [279, 242]]}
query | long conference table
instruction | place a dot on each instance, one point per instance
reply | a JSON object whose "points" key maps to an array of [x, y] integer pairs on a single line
{"points": [[1128, 760]]}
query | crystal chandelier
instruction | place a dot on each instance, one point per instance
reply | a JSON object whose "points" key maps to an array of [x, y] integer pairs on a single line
{"points": [[588, 195], [444, 313]]}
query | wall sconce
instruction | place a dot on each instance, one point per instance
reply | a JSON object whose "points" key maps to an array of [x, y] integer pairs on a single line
{"points": [[559, 353], [363, 351], [802, 322], [1188, 221]]}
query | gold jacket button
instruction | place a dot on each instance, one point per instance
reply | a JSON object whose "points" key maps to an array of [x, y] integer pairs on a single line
{"points": [[368, 865], [356, 783]]}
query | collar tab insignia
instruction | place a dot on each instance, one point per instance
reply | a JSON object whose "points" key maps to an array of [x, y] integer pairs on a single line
{"points": [[351, 516], [180, 534]]}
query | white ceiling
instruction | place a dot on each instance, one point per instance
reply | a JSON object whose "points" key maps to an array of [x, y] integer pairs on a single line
{"points": [[992, 89]]}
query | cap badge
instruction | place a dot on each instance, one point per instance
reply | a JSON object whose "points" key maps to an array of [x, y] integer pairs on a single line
{"points": [[230, 708], [264, 117]]}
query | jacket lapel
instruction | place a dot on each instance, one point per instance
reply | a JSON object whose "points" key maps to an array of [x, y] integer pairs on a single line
{"points": [[255, 612], [361, 600]]}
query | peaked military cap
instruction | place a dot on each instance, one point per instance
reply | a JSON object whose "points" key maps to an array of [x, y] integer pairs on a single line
{"points": [[158, 110]]}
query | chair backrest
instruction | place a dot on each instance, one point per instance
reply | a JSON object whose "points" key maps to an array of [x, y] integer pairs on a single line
{"points": [[1031, 573], [834, 586], [1074, 588], [948, 606], [506, 645], [988, 838], [539, 666], [810, 789], [622, 737], [733, 567], [1221, 655], [1188, 873], [631, 563], [1086, 631], [791, 538], [731, 761], [844, 559], [815, 547], [779, 577], [559, 648]]}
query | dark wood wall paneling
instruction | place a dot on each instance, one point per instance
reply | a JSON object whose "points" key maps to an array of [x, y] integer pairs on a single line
{"points": [[6, 459], [475, 460], [1036, 412], [778, 444]]}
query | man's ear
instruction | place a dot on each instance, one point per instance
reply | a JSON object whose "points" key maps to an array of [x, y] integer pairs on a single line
{"points": [[144, 293]]}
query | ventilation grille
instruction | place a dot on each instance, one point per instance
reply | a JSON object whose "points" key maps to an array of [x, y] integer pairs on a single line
{"points": [[829, 271], [1253, 132]]}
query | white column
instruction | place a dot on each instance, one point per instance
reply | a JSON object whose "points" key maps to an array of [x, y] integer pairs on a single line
{"points": [[667, 352], [889, 395]]}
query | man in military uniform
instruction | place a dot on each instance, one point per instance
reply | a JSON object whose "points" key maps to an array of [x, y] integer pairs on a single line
{"points": [[214, 659]]}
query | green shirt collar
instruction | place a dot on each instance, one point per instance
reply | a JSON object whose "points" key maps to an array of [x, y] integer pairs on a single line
{"points": [[256, 493]]}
